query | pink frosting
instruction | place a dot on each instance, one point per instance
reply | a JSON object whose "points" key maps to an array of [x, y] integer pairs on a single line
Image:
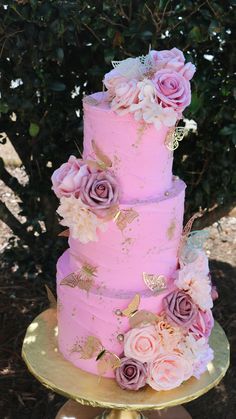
{"points": [[142, 163]]}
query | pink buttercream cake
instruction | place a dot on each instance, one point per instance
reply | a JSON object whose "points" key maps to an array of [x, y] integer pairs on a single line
{"points": [[134, 294]]}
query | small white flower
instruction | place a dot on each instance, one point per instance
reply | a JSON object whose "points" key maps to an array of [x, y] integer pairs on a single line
{"points": [[82, 222], [196, 284]]}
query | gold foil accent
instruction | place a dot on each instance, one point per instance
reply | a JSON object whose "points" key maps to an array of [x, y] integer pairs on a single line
{"points": [[174, 136], [51, 298], [88, 349], [171, 230], [132, 307], [64, 233], [91, 348], [91, 101], [142, 317], [156, 283], [125, 217], [61, 376], [82, 279], [104, 162], [187, 229]]}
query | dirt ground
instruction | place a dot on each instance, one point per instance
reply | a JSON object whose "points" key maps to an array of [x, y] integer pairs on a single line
{"points": [[22, 298]]}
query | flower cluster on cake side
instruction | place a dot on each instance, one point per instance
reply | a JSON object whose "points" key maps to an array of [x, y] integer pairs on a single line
{"points": [[154, 88]]}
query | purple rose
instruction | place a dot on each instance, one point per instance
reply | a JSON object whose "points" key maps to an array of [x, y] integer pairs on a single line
{"points": [[99, 191], [180, 308], [131, 374]]}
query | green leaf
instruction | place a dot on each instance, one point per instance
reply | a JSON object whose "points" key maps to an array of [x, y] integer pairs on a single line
{"points": [[57, 86], [60, 55], [4, 108], [214, 27], [195, 34], [33, 129], [196, 103]]}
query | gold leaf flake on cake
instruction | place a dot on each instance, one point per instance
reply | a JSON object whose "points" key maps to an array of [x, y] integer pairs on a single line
{"points": [[103, 160], [156, 283], [88, 349], [125, 217], [132, 307], [83, 279], [140, 131], [91, 100], [107, 361], [171, 230]]}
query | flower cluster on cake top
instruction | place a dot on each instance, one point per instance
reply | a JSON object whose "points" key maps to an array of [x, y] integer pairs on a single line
{"points": [[154, 88]]}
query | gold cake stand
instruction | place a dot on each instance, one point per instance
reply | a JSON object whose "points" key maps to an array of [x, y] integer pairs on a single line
{"points": [[87, 392]]}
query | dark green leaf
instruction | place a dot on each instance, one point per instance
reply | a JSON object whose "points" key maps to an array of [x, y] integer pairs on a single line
{"points": [[33, 129]]}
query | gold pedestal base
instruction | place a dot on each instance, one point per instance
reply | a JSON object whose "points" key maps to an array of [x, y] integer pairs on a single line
{"points": [[45, 362], [74, 410]]}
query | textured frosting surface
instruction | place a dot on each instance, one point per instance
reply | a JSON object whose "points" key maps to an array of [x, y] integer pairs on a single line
{"points": [[82, 314], [142, 163], [148, 244]]}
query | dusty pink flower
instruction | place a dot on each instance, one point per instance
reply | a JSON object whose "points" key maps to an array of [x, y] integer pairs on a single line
{"points": [[131, 374], [66, 180], [99, 191], [125, 94], [203, 324], [143, 344], [172, 89], [173, 60], [179, 308], [168, 371]]}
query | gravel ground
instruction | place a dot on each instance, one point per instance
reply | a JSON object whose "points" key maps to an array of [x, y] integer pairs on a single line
{"points": [[22, 298]]}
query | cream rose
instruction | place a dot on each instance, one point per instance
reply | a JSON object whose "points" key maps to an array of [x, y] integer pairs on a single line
{"points": [[66, 180], [143, 344]]}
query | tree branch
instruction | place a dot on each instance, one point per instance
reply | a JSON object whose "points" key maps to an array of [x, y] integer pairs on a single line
{"points": [[11, 182], [11, 221]]}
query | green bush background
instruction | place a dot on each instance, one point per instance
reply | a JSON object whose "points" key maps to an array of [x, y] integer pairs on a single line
{"points": [[54, 46]]}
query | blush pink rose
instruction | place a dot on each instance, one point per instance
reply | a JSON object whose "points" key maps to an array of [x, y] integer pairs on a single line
{"points": [[66, 180], [143, 344], [126, 94], [203, 324], [168, 371], [172, 89]]}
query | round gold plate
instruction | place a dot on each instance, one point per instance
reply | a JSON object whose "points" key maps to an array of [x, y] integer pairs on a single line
{"points": [[45, 362]]}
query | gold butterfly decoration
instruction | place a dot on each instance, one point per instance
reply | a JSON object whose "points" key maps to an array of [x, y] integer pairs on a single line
{"points": [[156, 283], [83, 279], [187, 229], [93, 348], [138, 317], [174, 136], [103, 162], [125, 217]]}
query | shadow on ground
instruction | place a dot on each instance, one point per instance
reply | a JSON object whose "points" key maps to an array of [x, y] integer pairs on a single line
{"points": [[22, 397]]}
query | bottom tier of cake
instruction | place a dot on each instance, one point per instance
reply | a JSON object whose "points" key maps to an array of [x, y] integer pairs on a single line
{"points": [[160, 339]]}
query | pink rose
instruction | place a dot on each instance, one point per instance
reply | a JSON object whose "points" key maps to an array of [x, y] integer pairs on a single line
{"points": [[168, 371], [203, 324], [66, 180], [173, 60], [180, 309], [126, 94], [131, 374], [99, 191], [172, 89], [143, 344]]}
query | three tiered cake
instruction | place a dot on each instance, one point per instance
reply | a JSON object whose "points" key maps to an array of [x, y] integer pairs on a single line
{"points": [[134, 290]]}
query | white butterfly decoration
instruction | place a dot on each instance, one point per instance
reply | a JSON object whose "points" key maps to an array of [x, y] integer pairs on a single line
{"points": [[134, 68]]}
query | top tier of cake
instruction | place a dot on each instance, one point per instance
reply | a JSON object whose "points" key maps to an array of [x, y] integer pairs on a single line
{"points": [[141, 162]]}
